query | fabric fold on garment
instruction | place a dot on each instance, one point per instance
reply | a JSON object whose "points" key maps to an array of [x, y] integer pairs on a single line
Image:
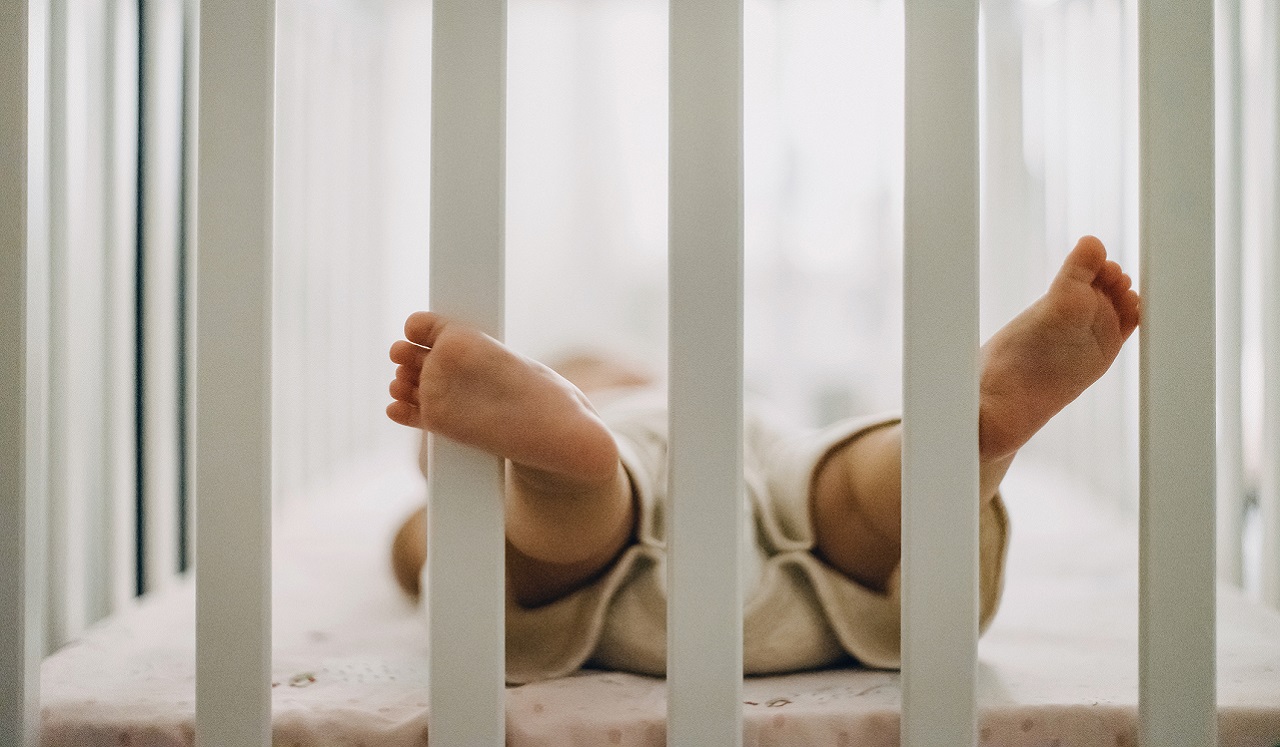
{"points": [[799, 613]]}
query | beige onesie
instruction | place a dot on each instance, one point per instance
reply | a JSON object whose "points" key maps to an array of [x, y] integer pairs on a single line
{"points": [[799, 613]]}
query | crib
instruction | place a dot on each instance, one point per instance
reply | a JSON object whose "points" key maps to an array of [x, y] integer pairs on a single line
{"points": [[706, 700]]}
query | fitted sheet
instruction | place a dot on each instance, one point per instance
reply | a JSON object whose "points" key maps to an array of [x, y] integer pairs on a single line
{"points": [[1058, 666]]}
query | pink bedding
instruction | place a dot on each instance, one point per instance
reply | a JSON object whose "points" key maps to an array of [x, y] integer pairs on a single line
{"points": [[1058, 666]]}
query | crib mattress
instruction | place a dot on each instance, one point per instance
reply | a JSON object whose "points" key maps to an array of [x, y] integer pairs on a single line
{"points": [[1058, 666]]}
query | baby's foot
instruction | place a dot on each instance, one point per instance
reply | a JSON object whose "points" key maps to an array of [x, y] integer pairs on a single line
{"points": [[460, 383], [1055, 349]]}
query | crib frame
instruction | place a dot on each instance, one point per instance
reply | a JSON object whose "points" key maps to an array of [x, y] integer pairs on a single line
{"points": [[20, 585], [232, 445]]}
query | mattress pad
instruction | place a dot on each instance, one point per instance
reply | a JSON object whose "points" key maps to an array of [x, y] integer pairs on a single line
{"points": [[1058, 666]]}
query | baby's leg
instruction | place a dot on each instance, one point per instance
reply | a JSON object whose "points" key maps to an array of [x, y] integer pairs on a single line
{"points": [[1031, 369], [568, 502]]}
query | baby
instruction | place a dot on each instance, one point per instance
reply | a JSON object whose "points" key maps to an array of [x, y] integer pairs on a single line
{"points": [[585, 487]]}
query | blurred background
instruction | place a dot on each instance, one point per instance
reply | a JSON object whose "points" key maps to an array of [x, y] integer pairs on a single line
{"points": [[586, 230]]}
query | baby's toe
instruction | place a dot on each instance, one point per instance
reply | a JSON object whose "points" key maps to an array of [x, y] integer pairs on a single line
{"points": [[404, 414], [423, 327], [407, 354], [404, 392]]}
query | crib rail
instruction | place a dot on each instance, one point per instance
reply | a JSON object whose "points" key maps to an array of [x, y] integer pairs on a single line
{"points": [[1177, 598], [233, 455], [162, 24], [1229, 211], [466, 546], [1269, 487], [940, 376], [704, 523], [20, 578], [232, 380]]}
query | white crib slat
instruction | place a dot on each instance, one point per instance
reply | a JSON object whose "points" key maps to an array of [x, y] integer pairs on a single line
{"points": [[1230, 218], [191, 112], [940, 376], [20, 628], [121, 287], [71, 442], [232, 378], [61, 596], [100, 58], [1177, 560], [465, 546], [704, 525], [1269, 487], [161, 74]]}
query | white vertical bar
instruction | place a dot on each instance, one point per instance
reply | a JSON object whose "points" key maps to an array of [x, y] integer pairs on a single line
{"points": [[190, 61], [1177, 467], [314, 336], [232, 376], [320, 248], [296, 166], [99, 59], [287, 383], [465, 548], [161, 163], [1230, 277], [344, 279], [20, 632], [365, 157], [1269, 487], [940, 376], [374, 177], [704, 523], [79, 324], [121, 289], [66, 530], [40, 116], [59, 598], [102, 125], [337, 211]]}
